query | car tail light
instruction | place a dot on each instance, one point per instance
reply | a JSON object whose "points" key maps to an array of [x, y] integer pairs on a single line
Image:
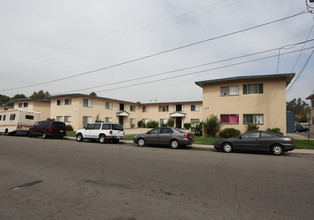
{"points": [[49, 130], [110, 132], [186, 135], [291, 141]]}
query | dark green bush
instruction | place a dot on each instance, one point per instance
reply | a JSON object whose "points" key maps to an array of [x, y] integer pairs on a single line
{"points": [[69, 127], [229, 132], [140, 124], [187, 126], [152, 124], [170, 122], [275, 130]]}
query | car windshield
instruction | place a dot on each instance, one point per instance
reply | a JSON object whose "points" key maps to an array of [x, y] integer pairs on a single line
{"points": [[58, 125], [117, 127]]}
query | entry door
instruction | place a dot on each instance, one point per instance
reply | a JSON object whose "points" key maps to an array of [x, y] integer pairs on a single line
{"points": [[178, 122], [121, 120]]}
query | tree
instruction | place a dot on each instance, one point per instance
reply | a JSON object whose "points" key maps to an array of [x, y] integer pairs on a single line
{"points": [[4, 99], [40, 95], [299, 108], [211, 126], [93, 94], [19, 96]]}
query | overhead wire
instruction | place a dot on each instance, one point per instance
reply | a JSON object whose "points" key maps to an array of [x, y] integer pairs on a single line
{"points": [[202, 71], [158, 53], [190, 67]]}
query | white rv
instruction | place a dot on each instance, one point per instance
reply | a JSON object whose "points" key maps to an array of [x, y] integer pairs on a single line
{"points": [[17, 121]]}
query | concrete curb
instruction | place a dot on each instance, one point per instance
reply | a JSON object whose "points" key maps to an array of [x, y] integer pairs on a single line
{"points": [[211, 147]]}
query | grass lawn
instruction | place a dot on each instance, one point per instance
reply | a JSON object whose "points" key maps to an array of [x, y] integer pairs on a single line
{"points": [[71, 133], [304, 144]]}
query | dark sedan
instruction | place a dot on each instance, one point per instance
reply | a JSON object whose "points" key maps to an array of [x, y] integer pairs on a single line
{"points": [[164, 136], [257, 141]]}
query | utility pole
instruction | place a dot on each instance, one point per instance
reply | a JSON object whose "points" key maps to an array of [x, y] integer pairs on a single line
{"points": [[309, 132]]}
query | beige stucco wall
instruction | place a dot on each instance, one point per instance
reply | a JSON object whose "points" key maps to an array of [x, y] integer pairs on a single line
{"points": [[272, 103], [39, 106]]}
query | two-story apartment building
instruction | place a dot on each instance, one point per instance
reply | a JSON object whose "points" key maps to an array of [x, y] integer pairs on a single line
{"points": [[238, 101], [311, 97], [37, 105]]}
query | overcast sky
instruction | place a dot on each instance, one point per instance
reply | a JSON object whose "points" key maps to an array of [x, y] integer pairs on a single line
{"points": [[43, 42]]}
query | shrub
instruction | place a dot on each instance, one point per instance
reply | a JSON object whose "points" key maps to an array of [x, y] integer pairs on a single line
{"points": [[69, 127], [133, 125], [211, 126], [170, 122], [229, 132], [197, 128], [152, 124], [275, 130], [252, 127], [140, 124], [187, 126]]}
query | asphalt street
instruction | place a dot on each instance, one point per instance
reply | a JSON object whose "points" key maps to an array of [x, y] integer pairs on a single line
{"points": [[64, 179]]}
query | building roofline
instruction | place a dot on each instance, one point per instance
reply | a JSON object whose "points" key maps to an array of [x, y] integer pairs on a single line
{"points": [[89, 96], [288, 76], [311, 96], [160, 103], [29, 99]]}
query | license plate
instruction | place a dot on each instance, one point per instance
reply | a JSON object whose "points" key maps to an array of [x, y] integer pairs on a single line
{"points": [[61, 130]]}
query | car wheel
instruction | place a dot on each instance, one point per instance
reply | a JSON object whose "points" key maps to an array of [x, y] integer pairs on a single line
{"points": [[6, 132], [141, 142], [79, 137], [277, 149], [102, 138], [44, 135], [227, 147], [30, 134], [174, 144]]}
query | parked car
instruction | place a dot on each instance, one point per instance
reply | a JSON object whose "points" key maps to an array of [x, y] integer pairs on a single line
{"points": [[101, 132], [48, 129], [257, 141], [164, 136], [300, 128]]}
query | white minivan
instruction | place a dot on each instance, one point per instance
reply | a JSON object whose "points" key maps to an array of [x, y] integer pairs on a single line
{"points": [[101, 132]]}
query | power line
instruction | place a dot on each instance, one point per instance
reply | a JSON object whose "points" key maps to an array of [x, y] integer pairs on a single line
{"points": [[157, 54], [191, 67], [202, 71]]}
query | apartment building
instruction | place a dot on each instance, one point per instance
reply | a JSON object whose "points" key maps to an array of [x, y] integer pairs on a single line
{"points": [[37, 105], [238, 101], [311, 97]]}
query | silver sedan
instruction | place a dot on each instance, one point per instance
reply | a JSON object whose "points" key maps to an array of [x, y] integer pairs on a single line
{"points": [[164, 136]]}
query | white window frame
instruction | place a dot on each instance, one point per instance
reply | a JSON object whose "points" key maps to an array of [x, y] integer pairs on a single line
{"points": [[67, 118], [229, 91], [88, 103], [108, 119], [59, 118]]}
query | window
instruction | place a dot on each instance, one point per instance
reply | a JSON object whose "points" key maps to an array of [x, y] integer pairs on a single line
{"points": [[163, 121], [251, 135], [25, 104], [4, 117], [253, 119], [59, 118], [108, 119], [109, 105], [0, 117], [117, 127], [12, 117], [229, 90], [106, 127], [154, 131], [67, 118], [166, 131], [178, 108], [253, 88], [29, 117], [312, 103], [132, 121], [195, 120], [87, 120], [145, 120], [132, 108], [122, 107], [229, 119], [163, 108], [68, 101], [59, 102], [20, 105], [195, 108], [87, 103], [145, 109], [265, 135]]}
